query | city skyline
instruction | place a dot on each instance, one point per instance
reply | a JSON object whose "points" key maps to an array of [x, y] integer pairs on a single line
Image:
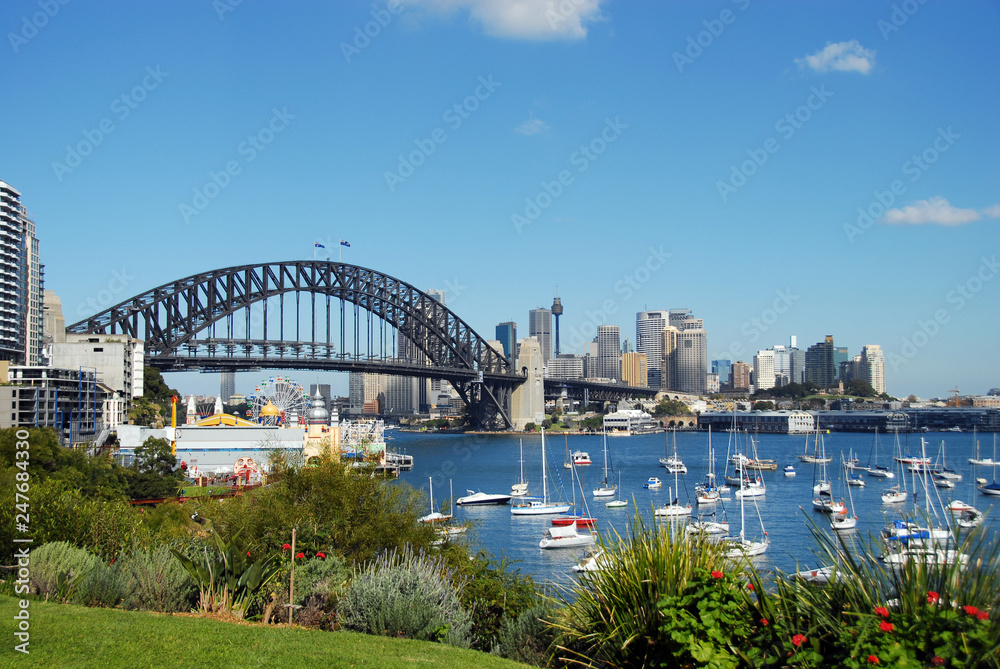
{"points": [[634, 156]]}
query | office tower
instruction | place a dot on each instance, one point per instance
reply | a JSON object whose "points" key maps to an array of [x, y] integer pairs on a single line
{"points": [[820, 368], [21, 282], [609, 351], [366, 392], [741, 375], [565, 366], [437, 294], [797, 364], [626, 346], [557, 310], [873, 367], [782, 365], [227, 385], [721, 369], [692, 360], [683, 320], [634, 372], [402, 396], [840, 355], [649, 340], [540, 327], [668, 366], [506, 333], [590, 360], [763, 370]]}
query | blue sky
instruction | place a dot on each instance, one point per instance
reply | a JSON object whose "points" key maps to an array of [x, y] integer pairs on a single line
{"points": [[713, 156]]}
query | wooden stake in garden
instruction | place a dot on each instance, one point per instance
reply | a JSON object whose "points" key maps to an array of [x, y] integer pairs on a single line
{"points": [[291, 582]]}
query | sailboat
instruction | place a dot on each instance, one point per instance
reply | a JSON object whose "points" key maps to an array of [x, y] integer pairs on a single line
{"points": [[445, 530], [739, 546], [674, 509], [992, 489], [567, 536], [874, 468], [575, 519], [617, 502], [709, 492], [672, 462], [822, 487], [896, 494], [966, 516], [605, 488], [520, 489], [984, 462], [434, 516], [532, 506], [942, 471], [842, 520], [814, 457]]}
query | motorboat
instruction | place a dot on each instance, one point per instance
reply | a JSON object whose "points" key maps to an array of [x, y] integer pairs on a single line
{"points": [[856, 481], [595, 562], [789, 470], [566, 536], [581, 458], [652, 482], [581, 521], [482, 498]]}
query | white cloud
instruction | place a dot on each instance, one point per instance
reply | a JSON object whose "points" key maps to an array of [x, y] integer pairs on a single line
{"points": [[841, 57], [523, 19], [937, 211], [533, 126]]}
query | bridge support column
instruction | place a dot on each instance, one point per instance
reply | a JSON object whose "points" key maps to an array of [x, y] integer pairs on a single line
{"points": [[528, 401]]}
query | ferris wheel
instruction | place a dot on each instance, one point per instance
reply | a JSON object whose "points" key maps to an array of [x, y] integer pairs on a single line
{"points": [[287, 396]]}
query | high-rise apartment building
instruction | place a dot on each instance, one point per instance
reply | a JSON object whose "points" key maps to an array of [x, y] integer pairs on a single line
{"points": [[21, 282], [873, 367], [227, 385], [540, 327], [741, 376], [763, 370], [609, 351], [634, 371], [820, 367], [649, 340]]}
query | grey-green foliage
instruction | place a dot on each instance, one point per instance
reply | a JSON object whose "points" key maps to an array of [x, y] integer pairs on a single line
{"points": [[154, 580], [407, 594], [525, 637], [59, 557], [316, 577]]}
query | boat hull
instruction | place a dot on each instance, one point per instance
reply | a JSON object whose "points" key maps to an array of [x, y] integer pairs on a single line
{"points": [[538, 509]]}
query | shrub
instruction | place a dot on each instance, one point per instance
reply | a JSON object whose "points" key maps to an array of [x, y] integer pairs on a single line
{"points": [[406, 594], [154, 580], [55, 559], [526, 637], [101, 586]]}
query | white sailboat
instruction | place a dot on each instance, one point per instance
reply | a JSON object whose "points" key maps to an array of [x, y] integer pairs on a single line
{"points": [[814, 457], [822, 487], [537, 507], [876, 470], [520, 489], [981, 461], [617, 502], [434, 516], [741, 547], [605, 488], [672, 461], [709, 492], [674, 509], [897, 494], [567, 536], [842, 520]]}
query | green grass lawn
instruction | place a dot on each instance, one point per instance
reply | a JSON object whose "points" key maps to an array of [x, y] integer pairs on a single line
{"points": [[74, 636]]}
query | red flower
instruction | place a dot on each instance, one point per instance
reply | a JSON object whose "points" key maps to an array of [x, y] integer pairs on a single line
{"points": [[798, 640], [937, 660], [886, 626], [300, 555], [873, 659], [717, 574], [933, 597], [982, 615], [286, 547], [882, 611], [750, 587], [763, 621], [248, 553], [971, 610], [321, 555]]}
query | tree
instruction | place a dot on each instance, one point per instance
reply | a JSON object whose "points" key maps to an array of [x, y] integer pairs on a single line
{"points": [[154, 474], [530, 427], [766, 405], [671, 408], [155, 389], [859, 388]]}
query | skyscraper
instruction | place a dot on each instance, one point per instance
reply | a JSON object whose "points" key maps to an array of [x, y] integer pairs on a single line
{"points": [[721, 368], [649, 340], [873, 366], [692, 352], [840, 355], [540, 327], [741, 375], [668, 368], [21, 282], [506, 333], [763, 370], [609, 351], [820, 368], [634, 369], [227, 385]]}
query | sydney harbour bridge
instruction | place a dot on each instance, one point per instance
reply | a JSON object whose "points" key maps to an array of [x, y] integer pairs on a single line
{"points": [[325, 316]]}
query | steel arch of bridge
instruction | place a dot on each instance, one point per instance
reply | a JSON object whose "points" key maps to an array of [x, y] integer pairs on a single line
{"points": [[170, 318]]}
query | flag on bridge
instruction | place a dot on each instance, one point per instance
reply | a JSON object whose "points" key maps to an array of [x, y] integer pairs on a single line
{"points": [[318, 245], [344, 243]]}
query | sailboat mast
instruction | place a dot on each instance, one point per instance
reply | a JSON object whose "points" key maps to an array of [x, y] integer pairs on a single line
{"points": [[545, 489]]}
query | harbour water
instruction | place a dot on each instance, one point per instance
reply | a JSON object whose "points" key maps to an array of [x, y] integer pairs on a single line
{"points": [[489, 463]]}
